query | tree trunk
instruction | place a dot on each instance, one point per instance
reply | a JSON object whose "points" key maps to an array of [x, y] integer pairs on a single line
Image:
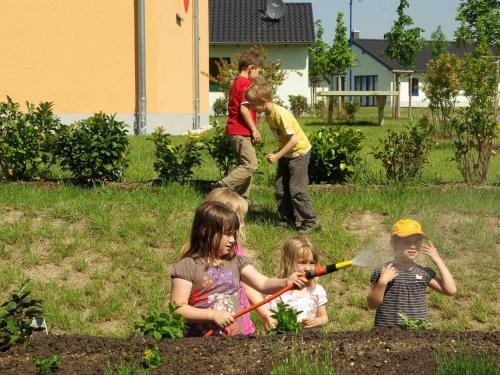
{"points": [[410, 84], [398, 97]]}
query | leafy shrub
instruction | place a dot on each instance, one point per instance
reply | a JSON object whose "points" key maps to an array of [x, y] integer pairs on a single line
{"points": [[286, 319], [151, 358], [16, 316], [26, 140], [403, 154], [94, 149], [162, 325], [220, 150], [334, 154], [319, 109], [47, 365], [220, 106], [413, 324], [298, 105], [349, 111], [175, 163]]}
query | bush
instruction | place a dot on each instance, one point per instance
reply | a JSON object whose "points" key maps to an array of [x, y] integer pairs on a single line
{"points": [[220, 106], [349, 112], [26, 140], [319, 109], [175, 163], [47, 365], [298, 105], [16, 316], [94, 149], [334, 154], [286, 319], [220, 150], [162, 325], [403, 154]]}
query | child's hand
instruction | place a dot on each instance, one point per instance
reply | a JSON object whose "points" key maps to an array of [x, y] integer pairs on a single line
{"points": [[387, 274], [271, 158], [309, 322], [298, 279], [223, 319], [257, 138], [430, 250], [269, 323]]}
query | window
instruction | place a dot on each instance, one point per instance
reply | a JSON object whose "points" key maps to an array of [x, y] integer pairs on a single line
{"points": [[213, 70], [366, 83], [414, 87]]}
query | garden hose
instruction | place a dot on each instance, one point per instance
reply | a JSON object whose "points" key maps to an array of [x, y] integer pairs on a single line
{"points": [[318, 271]]}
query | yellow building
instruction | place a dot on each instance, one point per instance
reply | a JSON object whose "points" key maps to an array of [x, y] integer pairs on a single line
{"points": [[83, 56]]}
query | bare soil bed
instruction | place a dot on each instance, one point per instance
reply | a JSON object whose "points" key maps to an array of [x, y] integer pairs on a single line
{"points": [[384, 351]]}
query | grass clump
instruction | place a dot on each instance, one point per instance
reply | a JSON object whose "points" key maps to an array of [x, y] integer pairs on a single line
{"points": [[466, 363]]}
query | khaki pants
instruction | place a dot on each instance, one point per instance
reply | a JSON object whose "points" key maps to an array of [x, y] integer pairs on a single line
{"points": [[240, 179], [291, 190]]}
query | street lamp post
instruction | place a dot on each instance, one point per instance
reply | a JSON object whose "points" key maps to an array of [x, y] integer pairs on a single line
{"points": [[350, 43]]}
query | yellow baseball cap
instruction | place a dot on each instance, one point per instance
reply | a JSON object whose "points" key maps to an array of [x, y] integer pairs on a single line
{"points": [[406, 227]]}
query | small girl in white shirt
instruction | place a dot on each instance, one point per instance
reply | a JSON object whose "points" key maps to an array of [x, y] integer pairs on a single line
{"points": [[299, 255]]}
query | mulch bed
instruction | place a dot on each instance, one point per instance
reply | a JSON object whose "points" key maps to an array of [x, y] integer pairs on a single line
{"points": [[381, 351]]}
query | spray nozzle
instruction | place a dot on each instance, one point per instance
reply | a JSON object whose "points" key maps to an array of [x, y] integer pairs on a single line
{"points": [[323, 270]]}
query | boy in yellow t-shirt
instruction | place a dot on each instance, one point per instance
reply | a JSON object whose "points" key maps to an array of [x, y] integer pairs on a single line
{"points": [[294, 204]]}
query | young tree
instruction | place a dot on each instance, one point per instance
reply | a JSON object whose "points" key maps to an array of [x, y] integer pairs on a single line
{"points": [[403, 43], [473, 132], [439, 45], [318, 58], [340, 55]]}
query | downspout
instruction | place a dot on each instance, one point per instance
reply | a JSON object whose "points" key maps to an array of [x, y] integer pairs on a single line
{"points": [[196, 122], [141, 47]]}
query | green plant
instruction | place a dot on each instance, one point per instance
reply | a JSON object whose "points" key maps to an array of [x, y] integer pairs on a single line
{"points": [[47, 365], [26, 140], [16, 315], [298, 105], [413, 324], [404, 153], [220, 106], [466, 362], [334, 154], [220, 150], [300, 362], [349, 111], [151, 358], [94, 149], [286, 319], [162, 325], [340, 55], [124, 368], [319, 109], [175, 163]]}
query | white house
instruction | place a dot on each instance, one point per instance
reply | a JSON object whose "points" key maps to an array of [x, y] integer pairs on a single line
{"points": [[374, 71], [236, 25]]}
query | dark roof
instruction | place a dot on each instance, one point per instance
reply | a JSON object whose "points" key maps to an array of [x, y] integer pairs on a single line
{"points": [[245, 22], [376, 48]]}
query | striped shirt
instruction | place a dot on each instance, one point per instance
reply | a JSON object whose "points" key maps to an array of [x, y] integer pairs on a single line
{"points": [[406, 294]]}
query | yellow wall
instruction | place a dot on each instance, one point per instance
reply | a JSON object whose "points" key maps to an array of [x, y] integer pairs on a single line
{"points": [[81, 54]]}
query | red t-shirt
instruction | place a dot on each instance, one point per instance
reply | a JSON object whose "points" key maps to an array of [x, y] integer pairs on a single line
{"points": [[236, 125]]}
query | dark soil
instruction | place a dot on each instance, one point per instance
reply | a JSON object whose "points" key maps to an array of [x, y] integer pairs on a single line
{"points": [[382, 351]]}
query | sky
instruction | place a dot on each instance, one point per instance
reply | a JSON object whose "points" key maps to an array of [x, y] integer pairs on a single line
{"points": [[374, 18]]}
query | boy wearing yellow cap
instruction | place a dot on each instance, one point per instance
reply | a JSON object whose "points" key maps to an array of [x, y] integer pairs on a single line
{"points": [[399, 286]]}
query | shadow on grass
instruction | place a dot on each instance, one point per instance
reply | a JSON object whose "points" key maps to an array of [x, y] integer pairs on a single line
{"points": [[258, 214], [356, 123]]}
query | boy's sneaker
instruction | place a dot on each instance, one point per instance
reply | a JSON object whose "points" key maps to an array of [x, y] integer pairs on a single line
{"points": [[286, 224], [308, 228], [217, 185]]}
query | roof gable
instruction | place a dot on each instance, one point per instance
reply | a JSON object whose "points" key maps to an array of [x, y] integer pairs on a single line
{"points": [[245, 22], [376, 48]]}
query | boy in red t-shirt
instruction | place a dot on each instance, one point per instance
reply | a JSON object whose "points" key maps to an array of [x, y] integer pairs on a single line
{"points": [[241, 126]]}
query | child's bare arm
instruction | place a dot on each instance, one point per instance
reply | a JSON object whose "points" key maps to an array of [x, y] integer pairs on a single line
{"points": [[319, 320], [444, 284], [181, 289], [376, 295], [264, 313], [269, 285], [292, 141], [247, 117]]}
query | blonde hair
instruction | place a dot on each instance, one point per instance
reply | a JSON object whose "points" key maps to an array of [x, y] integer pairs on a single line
{"points": [[259, 92], [292, 249], [232, 200], [211, 221]]}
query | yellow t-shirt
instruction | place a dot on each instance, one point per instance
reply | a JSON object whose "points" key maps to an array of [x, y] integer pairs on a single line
{"points": [[283, 125]]}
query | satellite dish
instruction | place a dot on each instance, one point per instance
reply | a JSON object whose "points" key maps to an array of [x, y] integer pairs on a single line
{"points": [[275, 9]]}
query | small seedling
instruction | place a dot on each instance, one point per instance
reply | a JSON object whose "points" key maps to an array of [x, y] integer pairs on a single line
{"points": [[47, 365], [413, 324], [286, 319], [162, 325], [17, 314], [151, 358]]}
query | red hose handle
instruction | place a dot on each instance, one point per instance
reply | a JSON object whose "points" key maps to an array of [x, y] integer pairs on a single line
{"points": [[210, 332]]}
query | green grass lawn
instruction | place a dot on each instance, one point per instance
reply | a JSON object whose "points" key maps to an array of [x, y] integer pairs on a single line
{"points": [[101, 257]]}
